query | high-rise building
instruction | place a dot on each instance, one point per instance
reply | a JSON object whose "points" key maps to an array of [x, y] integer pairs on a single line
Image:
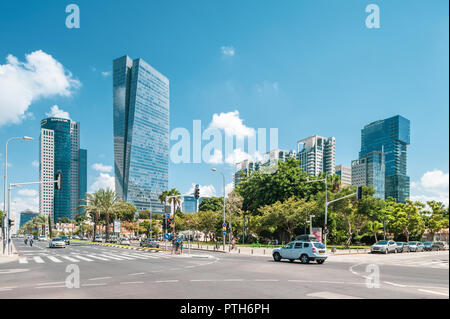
{"points": [[60, 152], [83, 178], [141, 132], [26, 216], [390, 136], [189, 204], [345, 173], [317, 154], [369, 170]]}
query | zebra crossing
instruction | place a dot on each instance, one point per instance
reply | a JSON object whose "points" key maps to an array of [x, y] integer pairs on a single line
{"points": [[77, 256]]}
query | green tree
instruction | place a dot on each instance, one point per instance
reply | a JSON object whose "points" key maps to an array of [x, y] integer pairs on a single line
{"points": [[211, 203], [407, 220]]}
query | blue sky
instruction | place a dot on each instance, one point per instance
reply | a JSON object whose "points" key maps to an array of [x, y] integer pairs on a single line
{"points": [[304, 67]]}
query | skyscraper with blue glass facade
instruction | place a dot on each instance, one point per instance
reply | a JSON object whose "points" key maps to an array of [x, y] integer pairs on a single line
{"points": [[390, 136], [60, 152], [141, 132], [83, 178]]}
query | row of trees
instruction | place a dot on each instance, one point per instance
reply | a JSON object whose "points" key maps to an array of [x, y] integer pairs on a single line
{"points": [[277, 206]]}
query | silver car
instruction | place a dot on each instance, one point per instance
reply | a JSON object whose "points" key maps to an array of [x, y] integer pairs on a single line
{"points": [[415, 246], [384, 246], [57, 242]]}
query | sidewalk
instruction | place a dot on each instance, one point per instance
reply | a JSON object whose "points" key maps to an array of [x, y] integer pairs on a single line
{"points": [[7, 259], [267, 251]]}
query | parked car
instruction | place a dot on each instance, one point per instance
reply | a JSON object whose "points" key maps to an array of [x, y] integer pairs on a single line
{"points": [[98, 239], [402, 247], [42, 238], [384, 246], [149, 242], [415, 246], [57, 242], [76, 237], [306, 251], [125, 241], [428, 246], [113, 239], [440, 245]]}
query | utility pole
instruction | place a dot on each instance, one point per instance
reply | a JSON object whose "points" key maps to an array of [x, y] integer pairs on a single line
{"points": [[310, 223]]}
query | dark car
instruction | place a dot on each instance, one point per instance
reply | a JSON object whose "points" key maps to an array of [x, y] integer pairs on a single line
{"points": [[402, 247], [149, 242], [428, 246], [66, 239]]}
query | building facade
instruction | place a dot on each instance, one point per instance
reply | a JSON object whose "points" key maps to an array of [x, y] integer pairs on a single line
{"points": [[60, 152], [390, 136], [345, 173], [189, 204], [141, 132], [317, 154], [369, 170], [26, 216]]}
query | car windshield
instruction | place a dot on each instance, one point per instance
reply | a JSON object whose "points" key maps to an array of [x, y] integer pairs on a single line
{"points": [[383, 242], [57, 239], [319, 245], [427, 243], [399, 244], [412, 243]]}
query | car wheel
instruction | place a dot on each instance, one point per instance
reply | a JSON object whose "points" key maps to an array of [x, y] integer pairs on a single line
{"points": [[304, 259], [395, 251], [320, 261], [276, 257], [386, 251]]}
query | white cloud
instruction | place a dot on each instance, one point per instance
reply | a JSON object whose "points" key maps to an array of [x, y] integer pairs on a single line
{"points": [[102, 168], [205, 190], [232, 124], [55, 111], [229, 188], [22, 83], [237, 156], [104, 181], [216, 158], [35, 163], [28, 192], [433, 185], [227, 50], [106, 74]]}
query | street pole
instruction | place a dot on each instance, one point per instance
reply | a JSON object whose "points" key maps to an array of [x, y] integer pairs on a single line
{"points": [[326, 213], [310, 223], [6, 214]]}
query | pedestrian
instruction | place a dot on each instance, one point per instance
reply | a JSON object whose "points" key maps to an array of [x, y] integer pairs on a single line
{"points": [[177, 245], [181, 247], [233, 244]]}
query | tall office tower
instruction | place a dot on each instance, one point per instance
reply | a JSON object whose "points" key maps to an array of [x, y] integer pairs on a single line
{"points": [[26, 216], [345, 173], [369, 170], [141, 132], [60, 152], [317, 154], [82, 179], [392, 134], [189, 204]]}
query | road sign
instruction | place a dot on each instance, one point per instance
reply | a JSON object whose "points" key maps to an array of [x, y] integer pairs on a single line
{"points": [[224, 232], [166, 236], [168, 216], [224, 225], [117, 226], [224, 228]]}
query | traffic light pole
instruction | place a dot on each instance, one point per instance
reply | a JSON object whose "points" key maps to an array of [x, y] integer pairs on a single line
{"points": [[8, 228]]}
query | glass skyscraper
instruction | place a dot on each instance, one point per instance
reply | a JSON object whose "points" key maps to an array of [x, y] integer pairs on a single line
{"points": [[60, 152], [83, 178], [141, 132], [390, 136]]}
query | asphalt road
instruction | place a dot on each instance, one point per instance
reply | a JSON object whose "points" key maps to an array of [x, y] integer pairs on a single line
{"points": [[108, 272]]}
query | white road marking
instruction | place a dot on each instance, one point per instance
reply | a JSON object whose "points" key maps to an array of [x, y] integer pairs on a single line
{"points": [[82, 258], [43, 287], [50, 283], [133, 255], [23, 260], [38, 260], [69, 258], [111, 256], [331, 295], [54, 259], [96, 257], [394, 284], [131, 282], [85, 285], [121, 256], [202, 280], [265, 280], [233, 280], [138, 273], [167, 281], [100, 278], [434, 292]]}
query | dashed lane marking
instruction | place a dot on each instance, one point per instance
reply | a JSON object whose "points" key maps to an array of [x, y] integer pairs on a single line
{"points": [[100, 278], [434, 292], [331, 295]]}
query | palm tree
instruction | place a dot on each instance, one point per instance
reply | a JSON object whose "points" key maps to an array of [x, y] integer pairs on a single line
{"points": [[40, 221], [93, 208], [110, 203], [172, 200]]}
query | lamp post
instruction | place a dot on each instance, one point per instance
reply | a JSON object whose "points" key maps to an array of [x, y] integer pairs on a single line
{"points": [[6, 214], [223, 176]]}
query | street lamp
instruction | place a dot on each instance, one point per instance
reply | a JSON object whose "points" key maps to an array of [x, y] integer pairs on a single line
{"points": [[223, 176], [6, 213]]}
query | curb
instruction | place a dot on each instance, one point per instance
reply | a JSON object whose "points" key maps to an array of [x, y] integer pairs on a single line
{"points": [[119, 246]]}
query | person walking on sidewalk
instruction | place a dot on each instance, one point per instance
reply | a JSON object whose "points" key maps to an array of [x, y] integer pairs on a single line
{"points": [[181, 247], [233, 244]]}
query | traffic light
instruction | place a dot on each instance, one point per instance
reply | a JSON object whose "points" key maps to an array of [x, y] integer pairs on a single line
{"points": [[197, 192], [359, 193], [58, 180], [10, 223]]}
